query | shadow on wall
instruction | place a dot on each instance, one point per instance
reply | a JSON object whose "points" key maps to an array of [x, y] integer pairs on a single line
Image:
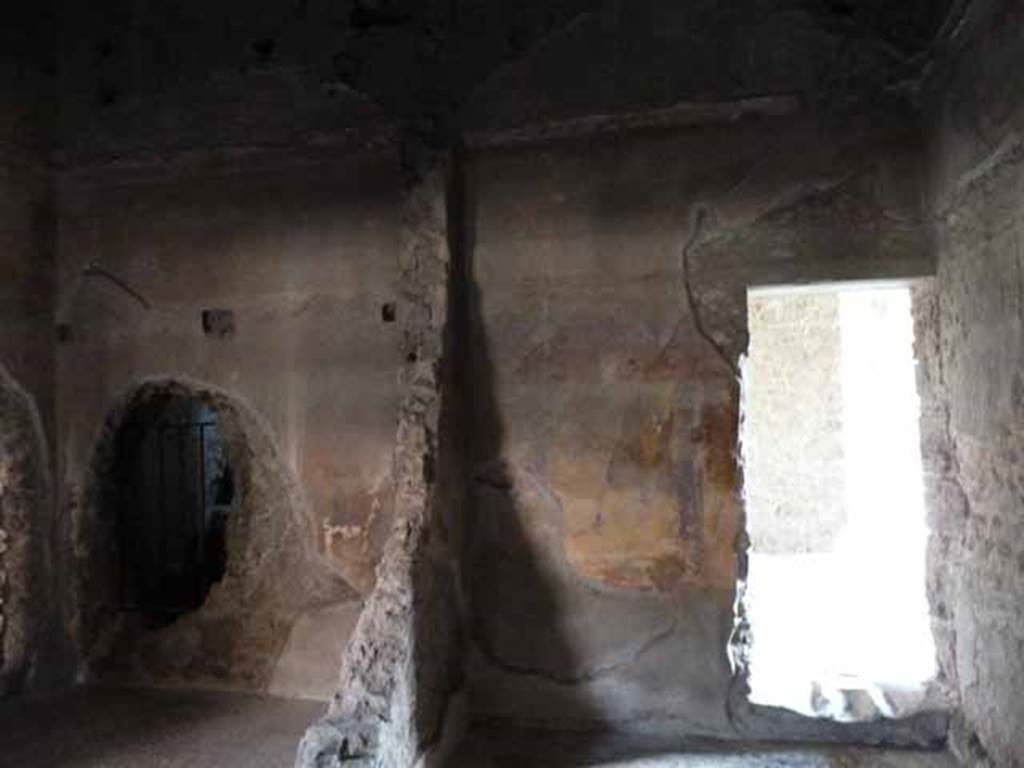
{"points": [[238, 633], [30, 642], [517, 614]]}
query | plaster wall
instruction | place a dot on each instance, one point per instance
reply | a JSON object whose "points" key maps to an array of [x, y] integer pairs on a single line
{"points": [[607, 304], [303, 255], [977, 191]]}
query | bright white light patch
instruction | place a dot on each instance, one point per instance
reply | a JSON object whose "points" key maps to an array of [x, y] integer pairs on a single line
{"points": [[839, 621]]}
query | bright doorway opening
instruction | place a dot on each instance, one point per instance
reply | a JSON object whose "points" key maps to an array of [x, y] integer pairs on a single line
{"points": [[835, 598]]}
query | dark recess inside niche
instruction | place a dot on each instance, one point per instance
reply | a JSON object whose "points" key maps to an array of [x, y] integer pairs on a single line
{"points": [[380, 13], [106, 94], [264, 48], [171, 490], [219, 323]]}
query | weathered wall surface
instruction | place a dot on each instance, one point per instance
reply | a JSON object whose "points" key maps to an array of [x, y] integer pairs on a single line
{"points": [[27, 229], [153, 80], [403, 666], [608, 313], [978, 191], [29, 604], [303, 255], [229, 221], [30, 619], [945, 504]]}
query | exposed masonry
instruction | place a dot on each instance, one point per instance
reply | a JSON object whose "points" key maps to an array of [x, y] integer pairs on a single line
{"points": [[7, 480], [393, 689], [794, 476], [28, 611]]}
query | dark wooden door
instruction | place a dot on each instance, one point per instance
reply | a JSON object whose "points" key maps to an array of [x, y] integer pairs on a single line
{"points": [[167, 510]]}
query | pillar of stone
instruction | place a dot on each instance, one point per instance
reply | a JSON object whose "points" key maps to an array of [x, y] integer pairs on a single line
{"points": [[383, 713], [3, 578]]}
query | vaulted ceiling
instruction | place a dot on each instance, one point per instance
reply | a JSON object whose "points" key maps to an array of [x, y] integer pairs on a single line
{"points": [[141, 67], [606, 54], [411, 54]]}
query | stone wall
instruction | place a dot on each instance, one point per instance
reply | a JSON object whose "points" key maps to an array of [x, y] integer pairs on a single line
{"points": [[29, 581], [27, 216], [237, 637], [402, 668], [608, 283], [3, 590], [138, 80], [978, 189], [945, 504], [602, 537], [33, 651], [229, 215], [230, 222], [301, 254], [793, 432], [296, 257]]}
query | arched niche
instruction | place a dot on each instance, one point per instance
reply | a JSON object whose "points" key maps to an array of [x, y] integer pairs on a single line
{"points": [[271, 574], [27, 609]]}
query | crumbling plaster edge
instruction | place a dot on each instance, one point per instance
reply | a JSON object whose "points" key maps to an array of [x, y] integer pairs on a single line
{"points": [[18, 624], [1009, 152]]}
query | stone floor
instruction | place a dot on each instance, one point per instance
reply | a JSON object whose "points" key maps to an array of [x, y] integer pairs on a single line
{"points": [[93, 728], [122, 728], [789, 759], [537, 750]]}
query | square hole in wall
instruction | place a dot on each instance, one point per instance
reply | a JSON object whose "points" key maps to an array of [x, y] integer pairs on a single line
{"points": [[218, 323], [835, 599]]}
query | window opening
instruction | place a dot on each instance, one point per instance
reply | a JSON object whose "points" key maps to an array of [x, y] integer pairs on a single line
{"points": [[835, 596]]}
